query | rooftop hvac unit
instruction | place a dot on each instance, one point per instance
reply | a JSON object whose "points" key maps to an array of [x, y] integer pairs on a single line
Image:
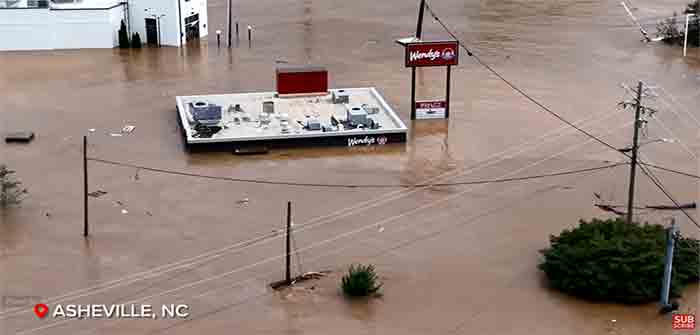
{"points": [[204, 113], [356, 115], [341, 97]]}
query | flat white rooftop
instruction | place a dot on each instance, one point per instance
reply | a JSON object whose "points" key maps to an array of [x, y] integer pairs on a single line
{"points": [[294, 118]]}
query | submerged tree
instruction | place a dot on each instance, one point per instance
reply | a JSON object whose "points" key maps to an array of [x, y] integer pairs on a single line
{"points": [[612, 260], [123, 36], [668, 28], [360, 281], [136, 41], [10, 191]]}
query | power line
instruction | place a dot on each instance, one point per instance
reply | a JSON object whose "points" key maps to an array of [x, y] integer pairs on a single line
{"points": [[515, 88], [545, 108], [658, 184], [670, 170], [269, 182]]}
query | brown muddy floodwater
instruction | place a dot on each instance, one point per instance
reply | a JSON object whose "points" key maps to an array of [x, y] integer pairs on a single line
{"points": [[455, 260]]}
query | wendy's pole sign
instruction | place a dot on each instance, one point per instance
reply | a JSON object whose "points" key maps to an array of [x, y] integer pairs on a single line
{"points": [[421, 53], [431, 53]]}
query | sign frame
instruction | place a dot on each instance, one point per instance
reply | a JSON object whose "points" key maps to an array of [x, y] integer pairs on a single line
{"points": [[442, 47], [455, 44], [431, 109]]}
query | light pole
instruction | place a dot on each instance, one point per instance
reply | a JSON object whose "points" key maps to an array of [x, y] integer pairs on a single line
{"points": [[664, 140]]}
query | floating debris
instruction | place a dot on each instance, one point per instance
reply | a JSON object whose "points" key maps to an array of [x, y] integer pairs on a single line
{"points": [[20, 136], [97, 194], [128, 129]]}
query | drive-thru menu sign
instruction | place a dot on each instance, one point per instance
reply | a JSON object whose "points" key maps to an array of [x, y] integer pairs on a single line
{"points": [[442, 53]]}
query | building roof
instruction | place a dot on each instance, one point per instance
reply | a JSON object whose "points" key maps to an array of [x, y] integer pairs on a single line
{"points": [[85, 4]]}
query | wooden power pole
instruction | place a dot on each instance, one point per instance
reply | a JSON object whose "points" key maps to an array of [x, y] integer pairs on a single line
{"points": [[635, 148]]}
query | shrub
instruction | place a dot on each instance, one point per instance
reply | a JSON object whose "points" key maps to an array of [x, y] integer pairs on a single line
{"points": [[136, 41], [10, 191], [611, 260], [123, 36], [668, 28], [360, 281]]}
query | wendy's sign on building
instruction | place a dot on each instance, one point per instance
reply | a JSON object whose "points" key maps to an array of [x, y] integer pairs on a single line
{"points": [[439, 53]]}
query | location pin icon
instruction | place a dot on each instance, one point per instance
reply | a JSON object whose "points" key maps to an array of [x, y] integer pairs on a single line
{"points": [[40, 310]]}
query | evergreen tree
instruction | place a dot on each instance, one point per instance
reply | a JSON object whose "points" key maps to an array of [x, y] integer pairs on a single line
{"points": [[613, 260], [136, 41], [123, 36]]}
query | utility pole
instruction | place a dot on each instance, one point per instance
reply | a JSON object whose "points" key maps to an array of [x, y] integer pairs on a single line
{"points": [[85, 188], [419, 33], [419, 26], [635, 148], [288, 274], [229, 23]]}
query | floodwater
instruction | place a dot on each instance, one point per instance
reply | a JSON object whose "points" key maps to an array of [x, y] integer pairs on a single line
{"points": [[457, 259]]}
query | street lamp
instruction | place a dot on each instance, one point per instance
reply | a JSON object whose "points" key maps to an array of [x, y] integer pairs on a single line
{"points": [[664, 140]]}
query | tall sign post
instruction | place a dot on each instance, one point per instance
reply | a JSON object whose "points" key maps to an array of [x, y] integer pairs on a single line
{"points": [[429, 54]]}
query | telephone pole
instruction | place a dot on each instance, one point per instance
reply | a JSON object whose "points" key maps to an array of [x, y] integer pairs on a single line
{"points": [[635, 148], [229, 22], [639, 111], [288, 267]]}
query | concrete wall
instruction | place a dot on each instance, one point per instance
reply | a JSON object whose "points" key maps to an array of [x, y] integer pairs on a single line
{"points": [[25, 29], [38, 29], [195, 6], [170, 24], [142, 9]]}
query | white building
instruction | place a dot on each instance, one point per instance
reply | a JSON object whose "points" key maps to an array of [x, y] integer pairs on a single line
{"points": [[75, 24]]}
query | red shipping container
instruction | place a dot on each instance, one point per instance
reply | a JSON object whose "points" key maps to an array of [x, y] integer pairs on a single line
{"points": [[302, 80]]}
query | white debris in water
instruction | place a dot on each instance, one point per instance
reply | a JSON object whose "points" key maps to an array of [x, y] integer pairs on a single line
{"points": [[128, 129], [124, 211]]}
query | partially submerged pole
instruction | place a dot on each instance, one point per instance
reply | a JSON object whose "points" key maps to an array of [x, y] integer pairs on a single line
{"points": [[85, 188], [288, 273], [668, 268], [635, 148], [229, 23], [685, 42]]}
